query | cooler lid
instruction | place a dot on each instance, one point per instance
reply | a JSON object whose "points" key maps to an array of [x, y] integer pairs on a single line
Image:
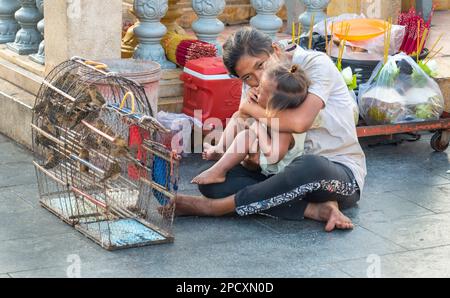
{"points": [[207, 66]]}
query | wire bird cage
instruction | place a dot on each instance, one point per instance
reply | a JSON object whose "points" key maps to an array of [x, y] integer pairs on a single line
{"points": [[98, 167]]}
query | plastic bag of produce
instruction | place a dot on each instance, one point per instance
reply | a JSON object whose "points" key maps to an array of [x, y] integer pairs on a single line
{"points": [[400, 91]]}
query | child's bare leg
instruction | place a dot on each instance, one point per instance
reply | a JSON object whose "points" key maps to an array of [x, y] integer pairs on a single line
{"points": [[235, 125], [234, 155]]}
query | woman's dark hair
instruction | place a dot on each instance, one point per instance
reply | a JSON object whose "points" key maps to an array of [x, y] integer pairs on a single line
{"points": [[245, 41], [291, 89]]}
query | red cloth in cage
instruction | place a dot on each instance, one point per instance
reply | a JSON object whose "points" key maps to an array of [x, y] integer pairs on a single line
{"points": [[136, 138]]}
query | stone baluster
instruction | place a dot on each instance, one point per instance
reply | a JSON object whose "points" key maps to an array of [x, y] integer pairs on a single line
{"points": [[208, 27], [28, 37], [39, 57], [8, 24], [150, 31], [313, 7], [266, 19]]}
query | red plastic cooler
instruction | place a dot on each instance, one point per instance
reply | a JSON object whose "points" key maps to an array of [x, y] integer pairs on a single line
{"points": [[208, 87]]}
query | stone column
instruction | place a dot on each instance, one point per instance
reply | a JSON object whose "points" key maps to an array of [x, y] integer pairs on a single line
{"points": [[266, 19], [150, 31], [381, 9], [338, 7], [8, 24], [208, 27], [294, 9], [170, 19], [39, 57], [313, 7], [86, 28], [28, 37], [424, 7]]}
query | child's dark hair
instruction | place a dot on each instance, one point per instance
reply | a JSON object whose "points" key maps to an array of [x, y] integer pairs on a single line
{"points": [[291, 88], [246, 41]]}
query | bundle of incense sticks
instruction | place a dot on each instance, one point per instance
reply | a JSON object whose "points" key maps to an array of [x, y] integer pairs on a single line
{"points": [[342, 45], [431, 55], [182, 48], [296, 35], [415, 27], [193, 49], [311, 29], [387, 40]]}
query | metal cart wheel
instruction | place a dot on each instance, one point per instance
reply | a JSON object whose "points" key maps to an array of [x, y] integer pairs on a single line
{"points": [[438, 143]]}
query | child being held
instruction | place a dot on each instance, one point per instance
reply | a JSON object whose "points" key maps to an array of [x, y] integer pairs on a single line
{"points": [[280, 88]]}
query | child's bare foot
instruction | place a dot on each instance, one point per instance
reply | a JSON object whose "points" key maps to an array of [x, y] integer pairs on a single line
{"points": [[210, 176], [211, 152], [329, 212]]}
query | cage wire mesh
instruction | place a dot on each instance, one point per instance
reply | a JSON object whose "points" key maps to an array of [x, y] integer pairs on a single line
{"points": [[98, 167]]}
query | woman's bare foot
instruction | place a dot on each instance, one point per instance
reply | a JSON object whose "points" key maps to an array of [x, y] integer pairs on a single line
{"points": [[210, 176], [211, 152], [187, 205], [329, 212]]}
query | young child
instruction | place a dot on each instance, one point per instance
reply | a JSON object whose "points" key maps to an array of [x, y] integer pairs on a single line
{"points": [[280, 88]]}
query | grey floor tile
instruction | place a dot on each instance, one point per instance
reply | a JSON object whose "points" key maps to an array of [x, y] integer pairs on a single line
{"points": [[10, 153], [20, 173], [197, 231], [436, 199], [377, 207], [290, 227], [324, 248], [414, 232], [390, 178], [13, 206], [48, 251], [28, 193], [424, 263], [117, 269], [239, 258], [31, 224], [4, 139]]}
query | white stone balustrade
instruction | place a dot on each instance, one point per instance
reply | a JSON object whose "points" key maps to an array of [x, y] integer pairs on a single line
{"points": [[150, 31], [28, 37], [8, 24]]}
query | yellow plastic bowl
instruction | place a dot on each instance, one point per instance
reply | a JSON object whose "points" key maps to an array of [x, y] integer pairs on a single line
{"points": [[360, 29]]}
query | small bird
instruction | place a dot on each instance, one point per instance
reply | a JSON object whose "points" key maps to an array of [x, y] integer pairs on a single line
{"points": [[53, 159], [79, 116], [96, 98], [43, 141], [100, 124], [67, 79], [120, 147], [40, 139], [89, 140], [112, 173], [84, 154], [41, 108]]}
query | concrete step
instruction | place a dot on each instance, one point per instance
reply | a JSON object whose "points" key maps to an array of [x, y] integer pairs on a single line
{"points": [[19, 76], [15, 106], [170, 84]]}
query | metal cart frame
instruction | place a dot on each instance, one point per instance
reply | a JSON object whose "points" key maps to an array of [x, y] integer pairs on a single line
{"points": [[441, 128]]}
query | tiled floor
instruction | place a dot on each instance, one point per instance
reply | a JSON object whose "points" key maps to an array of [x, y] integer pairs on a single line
{"points": [[402, 224]]}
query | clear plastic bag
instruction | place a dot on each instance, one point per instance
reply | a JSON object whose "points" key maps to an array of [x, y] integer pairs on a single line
{"points": [[400, 91], [180, 126]]}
